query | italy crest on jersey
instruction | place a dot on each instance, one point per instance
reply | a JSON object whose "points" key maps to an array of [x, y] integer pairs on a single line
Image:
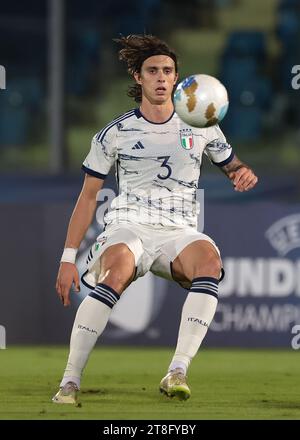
{"points": [[100, 242], [186, 138]]}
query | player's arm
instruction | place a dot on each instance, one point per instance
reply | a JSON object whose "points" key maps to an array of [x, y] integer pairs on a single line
{"points": [[80, 221], [221, 154], [240, 174]]}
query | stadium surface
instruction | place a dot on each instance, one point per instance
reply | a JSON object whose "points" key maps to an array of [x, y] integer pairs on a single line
{"points": [[122, 384]]}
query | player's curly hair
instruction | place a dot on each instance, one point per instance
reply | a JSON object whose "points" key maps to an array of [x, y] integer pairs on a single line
{"points": [[136, 49]]}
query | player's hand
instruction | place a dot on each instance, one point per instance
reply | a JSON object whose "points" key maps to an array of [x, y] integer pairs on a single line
{"points": [[243, 179], [67, 275]]}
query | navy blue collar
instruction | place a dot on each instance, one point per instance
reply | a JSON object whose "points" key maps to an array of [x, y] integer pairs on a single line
{"points": [[139, 115]]}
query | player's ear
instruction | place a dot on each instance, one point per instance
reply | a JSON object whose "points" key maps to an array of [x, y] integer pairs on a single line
{"points": [[176, 78], [137, 77]]}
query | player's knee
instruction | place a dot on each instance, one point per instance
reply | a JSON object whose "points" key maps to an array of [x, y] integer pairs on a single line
{"points": [[116, 279], [117, 267], [210, 266]]}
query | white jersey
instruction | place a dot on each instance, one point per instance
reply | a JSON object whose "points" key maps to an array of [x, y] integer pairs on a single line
{"points": [[157, 167]]}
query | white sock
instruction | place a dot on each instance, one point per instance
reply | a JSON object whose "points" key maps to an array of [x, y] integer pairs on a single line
{"points": [[90, 321], [197, 313]]}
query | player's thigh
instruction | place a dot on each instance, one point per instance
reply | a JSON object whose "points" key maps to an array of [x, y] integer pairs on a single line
{"points": [[199, 258], [113, 258], [118, 262]]}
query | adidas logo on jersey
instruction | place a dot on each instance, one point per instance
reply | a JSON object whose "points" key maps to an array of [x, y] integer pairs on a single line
{"points": [[138, 146]]}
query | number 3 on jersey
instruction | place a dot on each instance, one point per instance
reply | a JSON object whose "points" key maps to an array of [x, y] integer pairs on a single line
{"points": [[165, 165]]}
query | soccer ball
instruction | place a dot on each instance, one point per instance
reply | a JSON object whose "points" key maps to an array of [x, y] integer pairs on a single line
{"points": [[201, 101]]}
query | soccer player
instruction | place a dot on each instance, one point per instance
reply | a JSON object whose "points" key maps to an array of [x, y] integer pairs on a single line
{"points": [[152, 224]]}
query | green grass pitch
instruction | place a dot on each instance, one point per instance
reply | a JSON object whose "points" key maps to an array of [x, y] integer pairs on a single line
{"points": [[122, 383]]}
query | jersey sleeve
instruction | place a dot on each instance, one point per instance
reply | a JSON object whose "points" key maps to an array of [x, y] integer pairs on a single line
{"points": [[217, 149], [102, 154]]}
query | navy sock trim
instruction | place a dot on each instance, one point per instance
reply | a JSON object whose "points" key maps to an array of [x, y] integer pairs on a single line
{"points": [[211, 279], [110, 289], [105, 294], [206, 285]]}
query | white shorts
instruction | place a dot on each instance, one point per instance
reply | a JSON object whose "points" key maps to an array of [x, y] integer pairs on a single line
{"points": [[153, 248]]}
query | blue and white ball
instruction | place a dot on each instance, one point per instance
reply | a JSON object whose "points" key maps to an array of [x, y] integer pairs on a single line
{"points": [[201, 100]]}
